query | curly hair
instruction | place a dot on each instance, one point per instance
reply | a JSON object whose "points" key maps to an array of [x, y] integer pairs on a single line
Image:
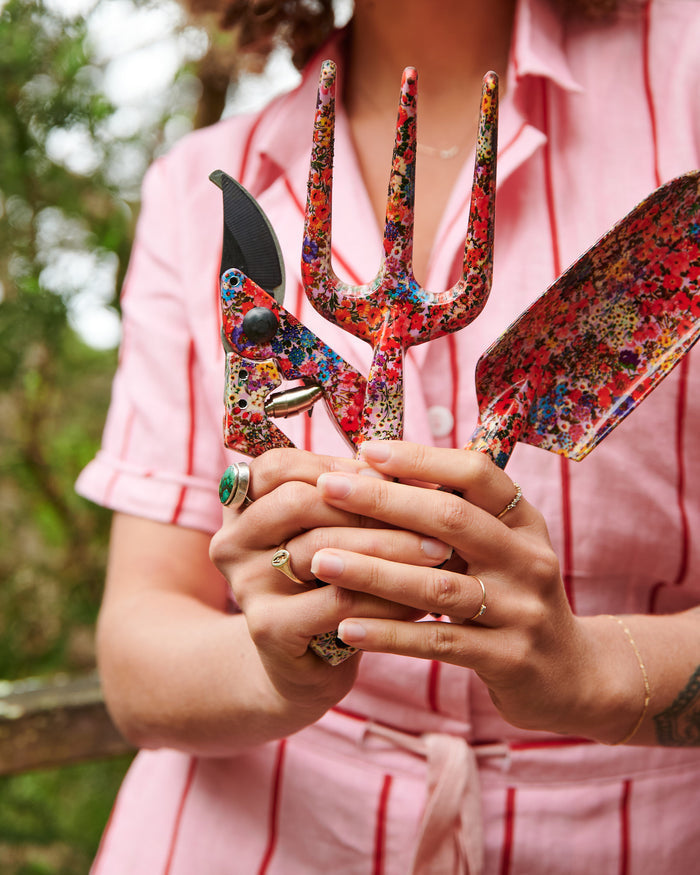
{"points": [[303, 25]]}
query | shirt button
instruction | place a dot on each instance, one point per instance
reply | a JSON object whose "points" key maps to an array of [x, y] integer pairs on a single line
{"points": [[441, 421]]}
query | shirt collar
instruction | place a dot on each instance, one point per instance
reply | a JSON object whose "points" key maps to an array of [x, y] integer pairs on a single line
{"points": [[537, 48], [537, 51], [285, 132]]}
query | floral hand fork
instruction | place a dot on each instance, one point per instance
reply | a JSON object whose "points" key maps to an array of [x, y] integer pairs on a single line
{"points": [[393, 312]]}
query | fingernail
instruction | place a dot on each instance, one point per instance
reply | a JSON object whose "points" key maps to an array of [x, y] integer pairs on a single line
{"points": [[350, 631], [334, 485], [435, 549], [375, 451], [325, 564]]}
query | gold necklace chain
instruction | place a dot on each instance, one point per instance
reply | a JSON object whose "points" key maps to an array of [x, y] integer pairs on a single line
{"points": [[434, 152]]}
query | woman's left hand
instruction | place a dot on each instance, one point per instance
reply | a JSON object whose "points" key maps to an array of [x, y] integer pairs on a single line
{"points": [[539, 661]]}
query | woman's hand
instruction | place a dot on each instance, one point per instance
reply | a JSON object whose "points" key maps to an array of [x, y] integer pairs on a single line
{"points": [[283, 615], [541, 664]]}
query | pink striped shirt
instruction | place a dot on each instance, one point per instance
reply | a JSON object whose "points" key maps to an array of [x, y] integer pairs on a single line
{"points": [[415, 766]]}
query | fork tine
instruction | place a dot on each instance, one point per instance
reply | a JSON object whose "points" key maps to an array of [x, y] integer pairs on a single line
{"points": [[323, 288], [478, 248], [400, 207], [317, 219], [466, 299]]}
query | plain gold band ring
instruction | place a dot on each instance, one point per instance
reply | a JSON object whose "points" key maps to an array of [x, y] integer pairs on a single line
{"points": [[281, 561], [482, 608], [513, 503]]}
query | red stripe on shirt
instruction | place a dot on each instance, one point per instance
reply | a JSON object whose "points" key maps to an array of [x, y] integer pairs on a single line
{"points": [[646, 74], [681, 409], [191, 427], [298, 308], [625, 828], [508, 830], [178, 816], [501, 153], [274, 808], [380, 827], [567, 558], [547, 742], [247, 149], [684, 365], [454, 368], [434, 686], [680, 446], [352, 276]]}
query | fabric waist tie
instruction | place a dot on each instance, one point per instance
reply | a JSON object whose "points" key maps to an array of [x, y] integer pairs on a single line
{"points": [[451, 835]]}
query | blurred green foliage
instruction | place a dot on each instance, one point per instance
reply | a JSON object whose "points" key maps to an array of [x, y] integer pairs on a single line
{"points": [[53, 387], [54, 391], [50, 822]]}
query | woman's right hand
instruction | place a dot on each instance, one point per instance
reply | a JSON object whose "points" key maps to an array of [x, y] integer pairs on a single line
{"points": [[282, 616]]}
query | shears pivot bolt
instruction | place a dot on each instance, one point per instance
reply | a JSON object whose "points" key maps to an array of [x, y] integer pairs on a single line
{"points": [[260, 325]]}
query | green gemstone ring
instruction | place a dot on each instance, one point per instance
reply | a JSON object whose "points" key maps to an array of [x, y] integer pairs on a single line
{"points": [[234, 483]]}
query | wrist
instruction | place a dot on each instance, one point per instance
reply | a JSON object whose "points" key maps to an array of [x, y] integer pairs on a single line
{"points": [[615, 693]]}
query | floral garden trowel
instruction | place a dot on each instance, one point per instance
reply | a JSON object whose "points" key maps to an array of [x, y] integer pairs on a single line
{"points": [[597, 342]]}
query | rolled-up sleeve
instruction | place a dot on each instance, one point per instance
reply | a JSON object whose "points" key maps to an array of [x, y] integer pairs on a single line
{"points": [[162, 447]]}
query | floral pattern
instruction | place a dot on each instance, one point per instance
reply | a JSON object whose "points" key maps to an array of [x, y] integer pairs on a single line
{"points": [[392, 312], [561, 377], [254, 369], [602, 337]]}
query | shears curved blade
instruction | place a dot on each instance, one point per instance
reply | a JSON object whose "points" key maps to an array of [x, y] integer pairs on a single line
{"points": [[266, 345]]}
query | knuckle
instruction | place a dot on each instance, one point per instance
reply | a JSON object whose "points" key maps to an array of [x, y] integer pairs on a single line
{"points": [[223, 549], [217, 548], [532, 616], [298, 496], [544, 570], [420, 456], [272, 468], [444, 592], [261, 624], [451, 514], [343, 601], [441, 640], [380, 496], [391, 641], [322, 538], [481, 470]]}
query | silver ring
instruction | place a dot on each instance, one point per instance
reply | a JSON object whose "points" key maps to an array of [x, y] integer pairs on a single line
{"points": [[483, 599], [281, 560], [234, 483], [513, 503]]}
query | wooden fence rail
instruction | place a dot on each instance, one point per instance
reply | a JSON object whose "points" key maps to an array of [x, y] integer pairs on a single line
{"points": [[47, 723]]}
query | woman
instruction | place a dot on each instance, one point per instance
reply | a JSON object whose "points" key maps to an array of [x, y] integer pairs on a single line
{"points": [[451, 747]]}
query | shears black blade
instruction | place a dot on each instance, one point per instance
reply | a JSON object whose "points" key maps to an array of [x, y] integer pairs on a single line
{"points": [[249, 243]]}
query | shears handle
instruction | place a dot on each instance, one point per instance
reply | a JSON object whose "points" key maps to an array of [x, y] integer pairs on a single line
{"points": [[265, 345]]}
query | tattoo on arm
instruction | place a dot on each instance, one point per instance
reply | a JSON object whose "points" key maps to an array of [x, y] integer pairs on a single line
{"points": [[679, 725]]}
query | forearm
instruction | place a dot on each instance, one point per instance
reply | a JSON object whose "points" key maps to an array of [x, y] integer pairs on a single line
{"points": [[179, 673], [180, 670]]}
